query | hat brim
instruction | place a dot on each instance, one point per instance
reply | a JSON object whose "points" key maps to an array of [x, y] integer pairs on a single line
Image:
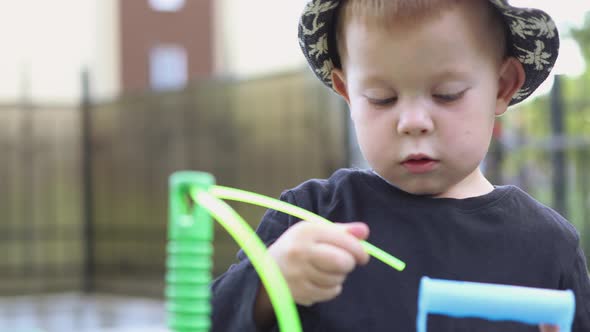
{"points": [[533, 39]]}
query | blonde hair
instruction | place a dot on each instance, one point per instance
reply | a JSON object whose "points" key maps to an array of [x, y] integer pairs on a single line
{"points": [[386, 13]]}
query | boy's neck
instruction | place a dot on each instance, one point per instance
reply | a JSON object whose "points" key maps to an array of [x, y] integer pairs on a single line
{"points": [[474, 185]]}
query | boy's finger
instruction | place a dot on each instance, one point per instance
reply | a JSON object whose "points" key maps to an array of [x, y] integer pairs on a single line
{"points": [[549, 328], [359, 230], [330, 259], [343, 240]]}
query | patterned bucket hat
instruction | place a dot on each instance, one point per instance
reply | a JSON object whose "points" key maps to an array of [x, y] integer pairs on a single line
{"points": [[533, 39]]}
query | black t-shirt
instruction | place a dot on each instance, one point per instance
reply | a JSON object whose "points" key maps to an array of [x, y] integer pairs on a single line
{"points": [[503, 237]]}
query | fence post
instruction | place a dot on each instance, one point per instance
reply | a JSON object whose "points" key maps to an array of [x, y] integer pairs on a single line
{"points": [[558, 151], [87, 185], [27, 175]]}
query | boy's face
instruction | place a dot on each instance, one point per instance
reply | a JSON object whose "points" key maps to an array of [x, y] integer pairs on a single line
{"points": [[423, 99]]}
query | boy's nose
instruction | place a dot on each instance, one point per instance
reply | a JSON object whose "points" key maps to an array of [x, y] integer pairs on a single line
{"points": [[414, 122]]}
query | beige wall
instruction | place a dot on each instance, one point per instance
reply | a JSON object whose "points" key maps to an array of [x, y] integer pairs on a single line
{"points": [[46, 44], [257, 37], [105, 63]]}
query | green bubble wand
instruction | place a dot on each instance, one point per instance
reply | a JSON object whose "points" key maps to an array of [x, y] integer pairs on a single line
{"points": [[193, 200], [302, 214]]}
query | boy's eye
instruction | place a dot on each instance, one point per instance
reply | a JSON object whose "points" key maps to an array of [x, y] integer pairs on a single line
{"points": [[447, 98], [382, 102]]}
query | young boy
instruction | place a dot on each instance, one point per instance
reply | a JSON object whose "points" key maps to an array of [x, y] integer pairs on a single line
{"points": [[424, 81]]}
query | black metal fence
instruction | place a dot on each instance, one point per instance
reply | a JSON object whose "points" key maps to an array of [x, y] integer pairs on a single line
{"points": [[40, 202], [114, 159]]}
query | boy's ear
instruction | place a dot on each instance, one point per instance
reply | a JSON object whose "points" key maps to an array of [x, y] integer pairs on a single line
{"points": [[339, 84], [511, 79]]}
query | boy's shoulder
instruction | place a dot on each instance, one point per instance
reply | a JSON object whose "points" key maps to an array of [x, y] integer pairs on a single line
{"points": [[343, 184], [543, 218], [340, 177]]}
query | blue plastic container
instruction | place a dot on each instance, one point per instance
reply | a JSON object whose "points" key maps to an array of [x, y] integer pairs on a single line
{"points": [[494, 302]]}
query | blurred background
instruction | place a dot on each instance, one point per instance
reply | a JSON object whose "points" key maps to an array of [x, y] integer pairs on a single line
{"points": [[101, 100]]}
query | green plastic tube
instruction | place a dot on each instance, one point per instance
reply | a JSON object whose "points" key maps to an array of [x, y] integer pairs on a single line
{"points": [[278, 205], [265, 266], [190, 233]]}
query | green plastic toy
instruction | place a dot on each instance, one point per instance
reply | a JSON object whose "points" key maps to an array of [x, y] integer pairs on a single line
{"points": [[189, 250], [194, 199]]}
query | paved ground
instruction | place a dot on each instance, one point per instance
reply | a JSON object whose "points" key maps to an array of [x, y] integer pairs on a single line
{"points": [[73, 312]]}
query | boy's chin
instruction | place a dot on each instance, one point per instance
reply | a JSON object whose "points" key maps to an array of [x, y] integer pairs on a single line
{"points": [[442, 184]]}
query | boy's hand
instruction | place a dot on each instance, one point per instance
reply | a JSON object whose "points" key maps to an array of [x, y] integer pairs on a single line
{"points": [[549, 328], [315, 258]]}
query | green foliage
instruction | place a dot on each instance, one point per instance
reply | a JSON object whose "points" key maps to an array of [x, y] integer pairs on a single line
{"points": [[576, 90], [530, 164], [582, 36]]}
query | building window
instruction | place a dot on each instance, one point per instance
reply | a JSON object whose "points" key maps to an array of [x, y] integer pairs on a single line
{"points": [[166, 5], [168, 67]]}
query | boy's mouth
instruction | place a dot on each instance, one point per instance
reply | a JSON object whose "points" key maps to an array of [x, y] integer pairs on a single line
{"points": [[419, 163]]}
